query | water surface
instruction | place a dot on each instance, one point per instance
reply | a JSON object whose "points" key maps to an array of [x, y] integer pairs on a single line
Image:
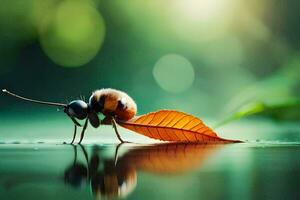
{"points": [[156, 171]]}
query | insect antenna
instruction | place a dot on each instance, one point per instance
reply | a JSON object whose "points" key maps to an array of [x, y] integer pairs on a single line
{"points": [[33, 100]]}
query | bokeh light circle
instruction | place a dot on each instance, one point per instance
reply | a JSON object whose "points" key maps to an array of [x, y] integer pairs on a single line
{"points": [[72, 34], [174, 73]]}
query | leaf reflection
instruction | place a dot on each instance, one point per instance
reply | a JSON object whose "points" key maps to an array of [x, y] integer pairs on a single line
{"points": [[117, 177]]}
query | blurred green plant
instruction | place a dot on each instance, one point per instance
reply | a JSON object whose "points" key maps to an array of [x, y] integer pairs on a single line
{"points": [[285, 111], [273, 97]]}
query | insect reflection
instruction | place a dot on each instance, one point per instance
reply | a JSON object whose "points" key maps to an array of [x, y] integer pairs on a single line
{"points": [[106, 178], [117, 177]]}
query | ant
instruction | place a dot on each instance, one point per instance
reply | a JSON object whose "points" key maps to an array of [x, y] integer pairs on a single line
{"points": [[115, 105]]}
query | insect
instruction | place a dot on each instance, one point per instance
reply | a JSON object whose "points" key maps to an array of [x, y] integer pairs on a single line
{"points": [[115, 105]]}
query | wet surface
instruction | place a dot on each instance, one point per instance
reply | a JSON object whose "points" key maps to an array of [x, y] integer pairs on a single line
{"points": [[158, 171]]}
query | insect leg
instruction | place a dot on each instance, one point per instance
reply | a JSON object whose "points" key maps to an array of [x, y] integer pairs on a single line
{"points": [[83, 130], [73, 119], [114, 124], [74, 135]]}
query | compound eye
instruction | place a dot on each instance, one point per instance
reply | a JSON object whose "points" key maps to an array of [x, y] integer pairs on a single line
{"points": [[78, 109]]}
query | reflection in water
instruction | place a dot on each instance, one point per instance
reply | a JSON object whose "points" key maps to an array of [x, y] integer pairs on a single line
{"points": [[117, 177], [252, 171]]}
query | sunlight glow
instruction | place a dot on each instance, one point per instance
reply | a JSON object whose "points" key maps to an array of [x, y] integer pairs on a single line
{"points": [[202, 10], [202, 20]]}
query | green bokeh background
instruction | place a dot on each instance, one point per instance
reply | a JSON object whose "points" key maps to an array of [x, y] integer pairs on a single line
{"points": [[220, 60]]}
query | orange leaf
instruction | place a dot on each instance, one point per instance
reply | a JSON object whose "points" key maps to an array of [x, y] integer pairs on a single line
{"points": [[171, 125]]}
